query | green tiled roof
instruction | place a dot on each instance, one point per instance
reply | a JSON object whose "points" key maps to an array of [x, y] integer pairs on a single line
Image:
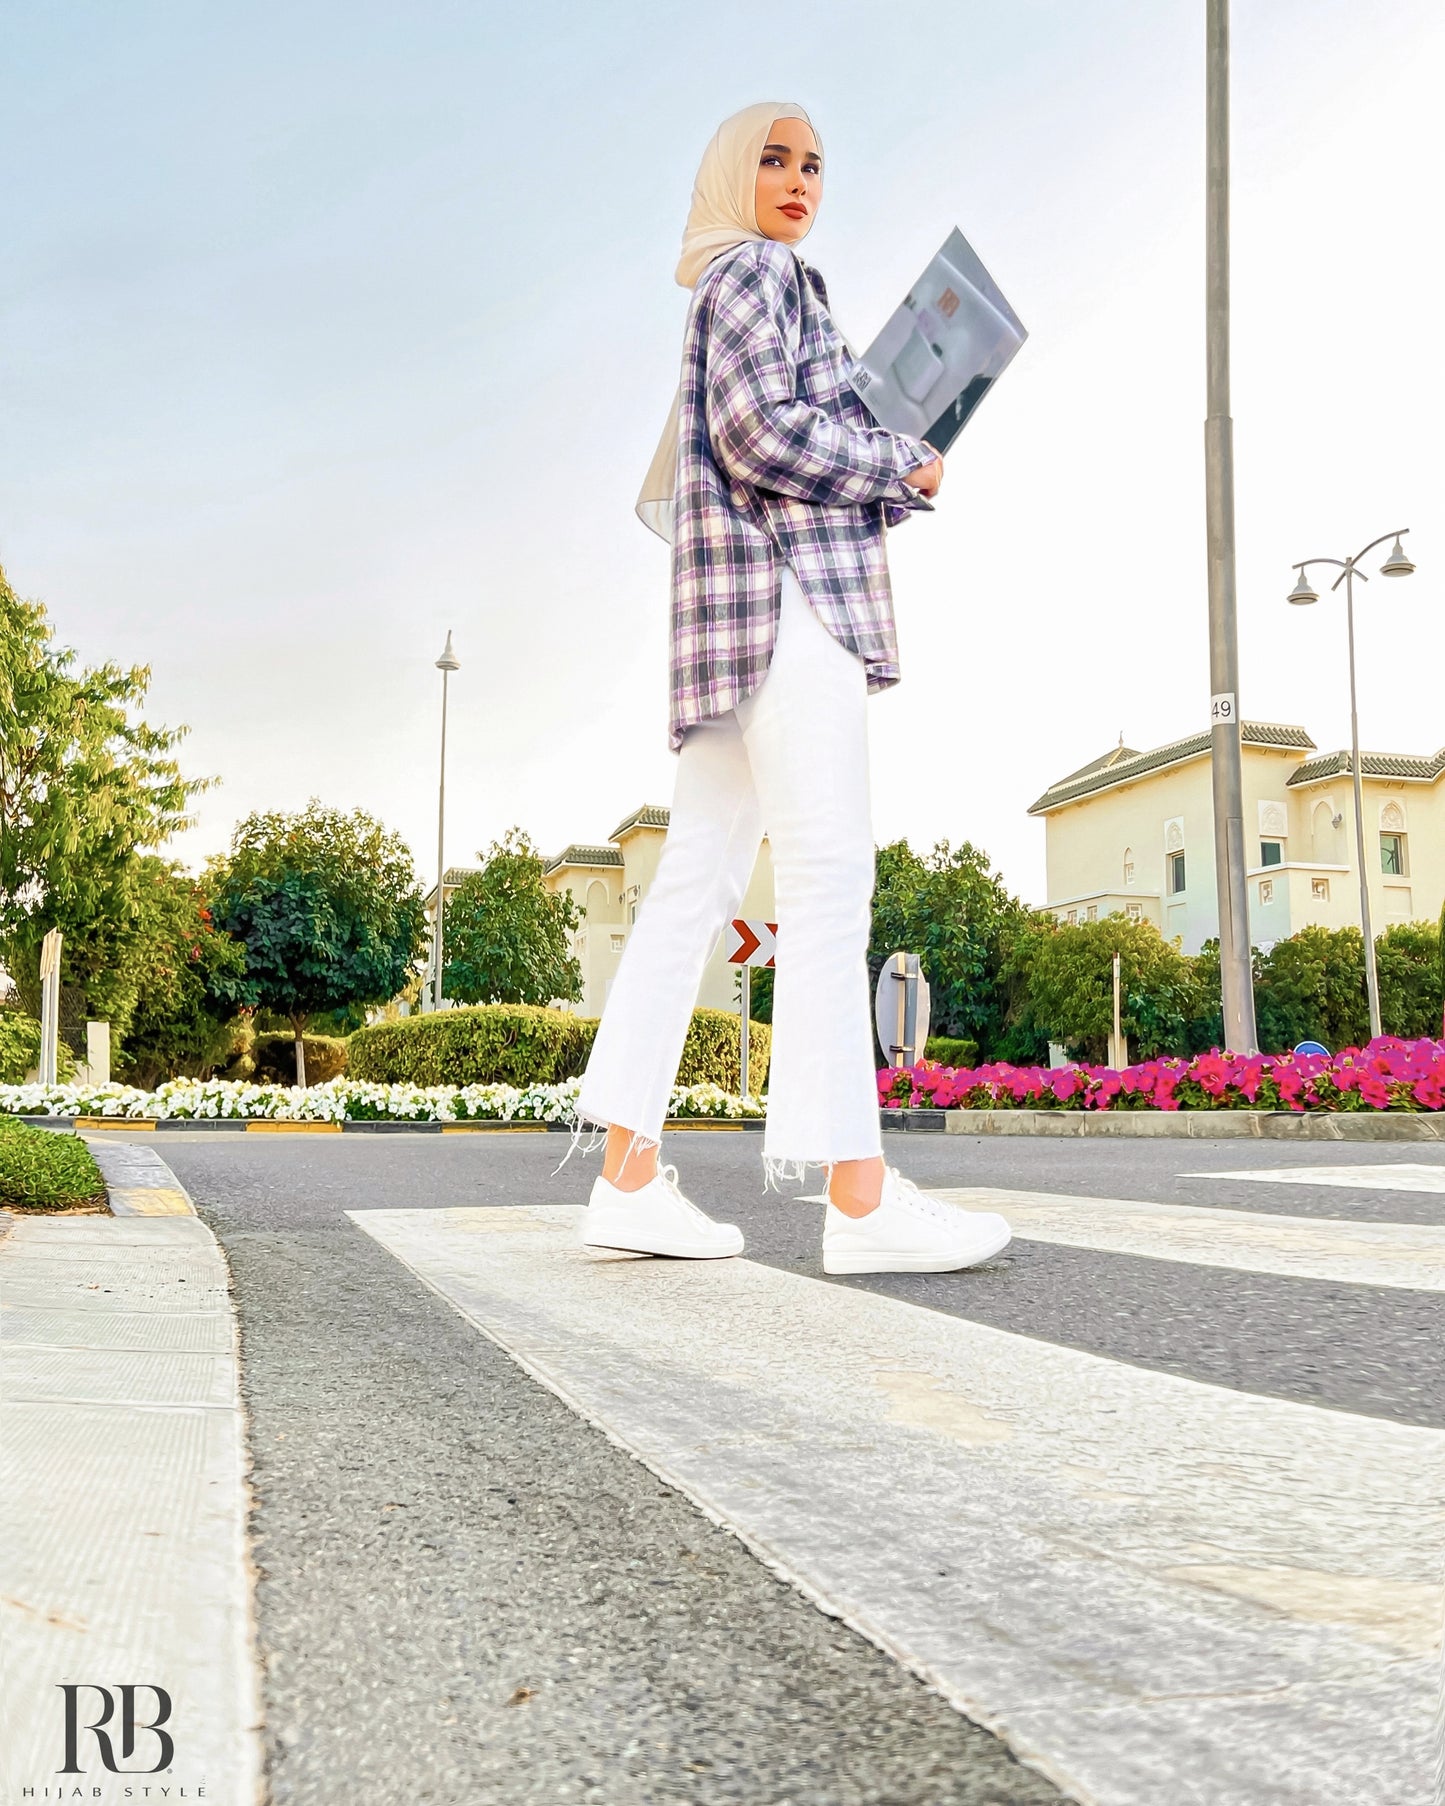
{"points": [[1372, 765], [577, 854], [650, 815], [1121, 766]]}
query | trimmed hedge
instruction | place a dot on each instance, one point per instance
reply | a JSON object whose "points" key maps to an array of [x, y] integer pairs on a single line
{"points": [[949, 1051], [710, 1053], [523, 1044], [41, 1169], [489, 1044], [273, 1059]]}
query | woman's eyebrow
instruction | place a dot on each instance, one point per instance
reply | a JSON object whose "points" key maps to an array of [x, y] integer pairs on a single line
{"points": [[787, 150]]}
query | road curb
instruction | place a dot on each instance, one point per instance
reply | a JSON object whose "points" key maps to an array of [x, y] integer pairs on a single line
{"points": [[138, 1183], [1203, 1125]]}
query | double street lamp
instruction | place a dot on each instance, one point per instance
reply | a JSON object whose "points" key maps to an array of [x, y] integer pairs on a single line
{"points": [[1396, 565]]}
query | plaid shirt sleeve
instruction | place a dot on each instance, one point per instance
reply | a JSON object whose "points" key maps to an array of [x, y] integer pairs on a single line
{"points": [[762, 434]]}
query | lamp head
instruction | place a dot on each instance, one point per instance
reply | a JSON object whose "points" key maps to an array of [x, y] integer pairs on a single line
{"points": [[1397, 564], [1302, 595], [448, 660]]}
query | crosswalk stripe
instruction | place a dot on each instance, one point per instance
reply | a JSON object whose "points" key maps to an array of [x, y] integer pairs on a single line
{"points": [[1397, 1177], [1155, 1589], [1409, 1255]]}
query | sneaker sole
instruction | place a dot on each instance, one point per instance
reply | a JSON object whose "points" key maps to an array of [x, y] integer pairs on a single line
{"points": [[872, 1261], [624, 1244]]}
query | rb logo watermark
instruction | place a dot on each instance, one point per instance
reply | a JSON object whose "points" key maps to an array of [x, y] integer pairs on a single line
{"points": [[101, 1727]]}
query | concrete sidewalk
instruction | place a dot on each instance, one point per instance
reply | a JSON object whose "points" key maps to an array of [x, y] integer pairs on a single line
{"points": [[123, 1564]]}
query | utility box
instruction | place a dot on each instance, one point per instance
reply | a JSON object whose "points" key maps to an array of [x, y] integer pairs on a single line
{"points": [[96, 1069]]}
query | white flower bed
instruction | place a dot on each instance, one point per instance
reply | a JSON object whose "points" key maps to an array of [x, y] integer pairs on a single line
{"points": [[342, 1100]]}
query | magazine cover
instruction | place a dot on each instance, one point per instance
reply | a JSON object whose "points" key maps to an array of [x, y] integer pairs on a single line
{"points": [[943, 350]]}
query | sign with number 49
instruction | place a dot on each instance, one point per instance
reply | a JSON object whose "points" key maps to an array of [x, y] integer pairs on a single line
{"points": [[1221, 708]]}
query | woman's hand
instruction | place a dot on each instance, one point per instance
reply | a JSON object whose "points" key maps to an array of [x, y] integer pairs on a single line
{"points": [[927, 478]]}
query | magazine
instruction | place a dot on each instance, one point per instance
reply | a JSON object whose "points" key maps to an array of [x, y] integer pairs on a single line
{"points": [[942, 351]]}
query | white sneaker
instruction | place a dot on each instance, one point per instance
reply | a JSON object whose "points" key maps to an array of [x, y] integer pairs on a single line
{"points": [[910, 1232], [656, 1219]]}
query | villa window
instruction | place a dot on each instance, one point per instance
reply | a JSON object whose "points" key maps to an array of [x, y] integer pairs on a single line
{"points": [[1091, 914], [1392, 855], [1073, 918], [1271, 852], [1176, 874], [1128, 865], [1320, 889], [1266, 890], [1134, 911]]}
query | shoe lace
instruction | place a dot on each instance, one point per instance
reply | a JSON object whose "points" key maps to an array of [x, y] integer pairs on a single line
{"points": [[668, 1177], [908, 1195]]}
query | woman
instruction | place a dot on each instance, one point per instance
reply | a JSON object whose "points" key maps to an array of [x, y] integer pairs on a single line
{"points": [[775, 485]]}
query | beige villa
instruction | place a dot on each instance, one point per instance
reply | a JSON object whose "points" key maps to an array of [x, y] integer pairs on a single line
{"points": [[1134, 832], [608, 881]]}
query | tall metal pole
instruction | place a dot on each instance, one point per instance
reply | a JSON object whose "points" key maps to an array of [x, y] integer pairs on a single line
{"points": [[1236, 976], [747, 1005], [446, 664], [1372, 977]]}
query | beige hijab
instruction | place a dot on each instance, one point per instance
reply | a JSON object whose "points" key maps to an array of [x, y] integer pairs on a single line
{"points": [[722, 216]]}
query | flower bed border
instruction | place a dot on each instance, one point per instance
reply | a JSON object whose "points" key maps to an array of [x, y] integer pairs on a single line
{"points": [[1197, 1125]]}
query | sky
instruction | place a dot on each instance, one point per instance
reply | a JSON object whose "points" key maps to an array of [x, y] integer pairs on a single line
{"points": [[328, 328]]}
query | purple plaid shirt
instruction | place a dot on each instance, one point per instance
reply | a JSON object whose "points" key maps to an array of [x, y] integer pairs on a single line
{"points": [[778, 460]]}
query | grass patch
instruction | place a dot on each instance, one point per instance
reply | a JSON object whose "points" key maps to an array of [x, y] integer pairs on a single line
{"points": [[41, 1169]]}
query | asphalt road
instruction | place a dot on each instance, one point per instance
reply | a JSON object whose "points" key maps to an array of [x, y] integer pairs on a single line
{"points": [[466, 1594]]}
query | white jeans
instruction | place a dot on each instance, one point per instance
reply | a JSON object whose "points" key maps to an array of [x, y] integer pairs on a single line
{"points": [[792, 759]]}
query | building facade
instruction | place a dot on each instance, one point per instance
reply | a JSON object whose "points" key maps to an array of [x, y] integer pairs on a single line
{"points": [[608, 883], [1133, 832]]}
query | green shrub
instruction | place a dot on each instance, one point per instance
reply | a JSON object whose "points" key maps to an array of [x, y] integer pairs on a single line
{"points": [[273, 1059], [524, 1044], [45, 1169], [20, 1049], [710, 1053], [490, 1044], [950, 1051]]}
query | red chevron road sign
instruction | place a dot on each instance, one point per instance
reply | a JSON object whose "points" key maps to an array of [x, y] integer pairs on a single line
{"points": [[751, 943]]}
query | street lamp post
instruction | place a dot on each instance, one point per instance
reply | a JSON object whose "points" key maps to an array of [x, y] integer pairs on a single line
{"points": [[446, 664], [1396, 565], [1235, 971]]}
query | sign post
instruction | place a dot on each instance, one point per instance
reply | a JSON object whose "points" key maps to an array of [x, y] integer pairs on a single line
{"points": [[749, 944], [1118, 1051], [50, 1007]]}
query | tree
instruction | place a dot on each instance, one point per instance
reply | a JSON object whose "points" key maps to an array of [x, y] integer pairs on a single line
{"points": [[1069, 973], [506, 936], [1311, 987], [1407, 957], [953, 909], [85, 786], [1440, 932], [327, 908], [186, 975]]}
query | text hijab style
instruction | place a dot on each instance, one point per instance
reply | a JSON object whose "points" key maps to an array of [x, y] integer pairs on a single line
{"points": [[722, 217]]}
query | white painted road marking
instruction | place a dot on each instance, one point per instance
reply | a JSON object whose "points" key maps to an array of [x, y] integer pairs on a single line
{"points": [[1154, 1589], [1395, 1177], [1409, 1255]]}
